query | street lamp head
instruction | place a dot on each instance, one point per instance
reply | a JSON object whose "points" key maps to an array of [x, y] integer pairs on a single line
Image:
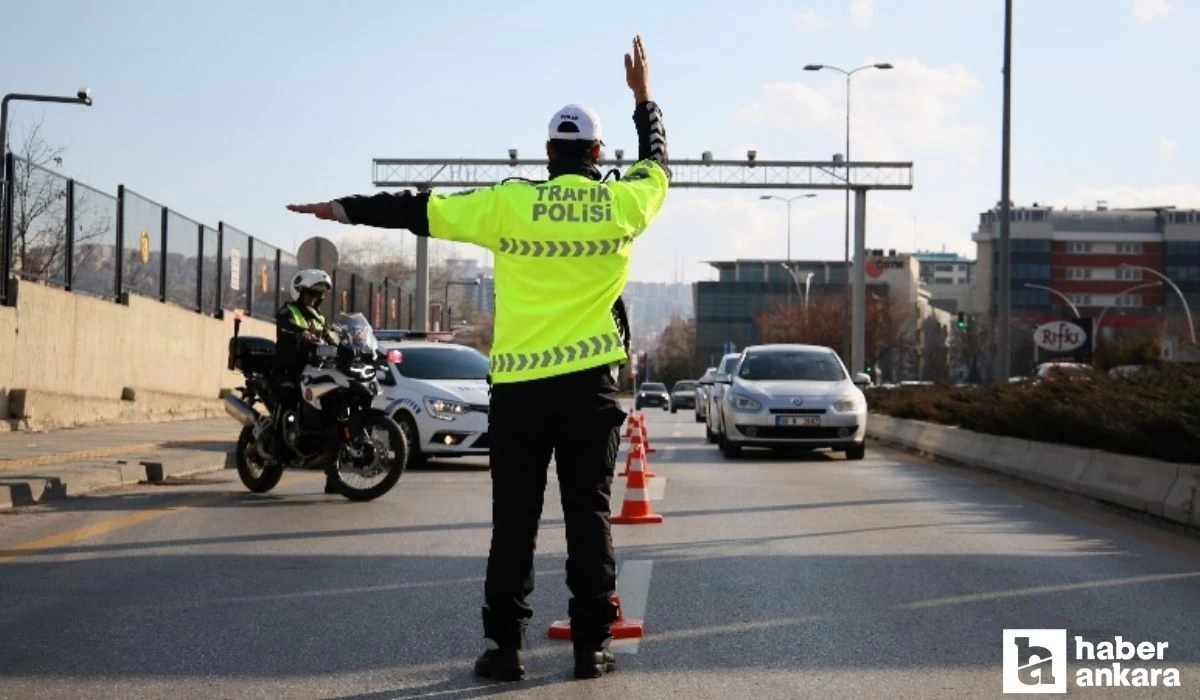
{"points": [[767, 196], [85, 95], [813, 66], [809, 196], [884, 66]]}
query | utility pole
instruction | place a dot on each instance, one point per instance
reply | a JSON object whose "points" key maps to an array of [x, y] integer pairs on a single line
{"points": [[1005, 271]]}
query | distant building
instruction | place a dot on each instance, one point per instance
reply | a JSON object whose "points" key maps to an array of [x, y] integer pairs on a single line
{"points": [[727, 309], [948, 277], [1080, 254]]}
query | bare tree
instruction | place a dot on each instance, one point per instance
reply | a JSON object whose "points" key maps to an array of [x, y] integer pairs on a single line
{"points": [[39, 211], [935, 353], [40, 222], [970, 347], [889, 326], [674, 355]]}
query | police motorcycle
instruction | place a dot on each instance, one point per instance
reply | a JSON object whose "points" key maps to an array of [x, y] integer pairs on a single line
{"points": [[335, 428]]}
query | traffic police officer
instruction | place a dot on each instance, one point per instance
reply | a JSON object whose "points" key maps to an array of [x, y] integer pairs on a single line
{"points": [[562, 249], [298, 327]]}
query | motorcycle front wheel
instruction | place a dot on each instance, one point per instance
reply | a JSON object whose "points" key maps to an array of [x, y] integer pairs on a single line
{"points": [[365, 482], [257, 473]]}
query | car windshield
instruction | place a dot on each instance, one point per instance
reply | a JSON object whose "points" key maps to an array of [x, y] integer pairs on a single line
{"points": [[798, 365], [654, 387], [446, 362], [685, 386], [728, 365]]}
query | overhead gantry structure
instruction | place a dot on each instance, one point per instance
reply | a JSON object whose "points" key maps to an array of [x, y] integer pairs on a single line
{"points": [[705, 173]]}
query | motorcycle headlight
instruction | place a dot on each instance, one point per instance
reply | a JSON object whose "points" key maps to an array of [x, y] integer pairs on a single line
{"points": [[743, 403], [847, 404], [443, 409]]}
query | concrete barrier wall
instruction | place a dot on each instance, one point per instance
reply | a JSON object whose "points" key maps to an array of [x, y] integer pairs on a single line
{"points": [[67, 359], [1165, 489]]}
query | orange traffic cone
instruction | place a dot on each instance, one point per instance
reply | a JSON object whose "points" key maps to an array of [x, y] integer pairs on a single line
{"points": [[621, 629], [631, 425], [646, 438], [636, 508], [637, 451]]}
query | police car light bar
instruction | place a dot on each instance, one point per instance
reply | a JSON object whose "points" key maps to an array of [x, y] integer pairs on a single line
{"points": [[397, 335]]}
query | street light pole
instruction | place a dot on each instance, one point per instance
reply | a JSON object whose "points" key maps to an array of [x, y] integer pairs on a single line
{"points": [[1060, 295], [846, 249], [1100, 317], [788, 201], [1182, 298]]}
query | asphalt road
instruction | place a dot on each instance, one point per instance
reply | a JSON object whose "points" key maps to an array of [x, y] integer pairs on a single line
{"points": [[780, 576]]}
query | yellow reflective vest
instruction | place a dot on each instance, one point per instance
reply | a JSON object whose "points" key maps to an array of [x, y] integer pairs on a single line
{"points": [[562, 250]]}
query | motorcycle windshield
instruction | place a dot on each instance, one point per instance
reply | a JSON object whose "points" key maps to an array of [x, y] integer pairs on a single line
{"points": [[357, 333]]}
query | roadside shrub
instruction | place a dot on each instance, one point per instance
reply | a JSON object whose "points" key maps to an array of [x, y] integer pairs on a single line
{"points": [[1155, 413]]}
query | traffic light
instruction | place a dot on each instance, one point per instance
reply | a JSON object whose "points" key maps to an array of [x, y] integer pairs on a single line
{"points": [[961, 323]]}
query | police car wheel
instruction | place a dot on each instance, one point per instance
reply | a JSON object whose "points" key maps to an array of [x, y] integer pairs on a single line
{"points": [[409, 427]]}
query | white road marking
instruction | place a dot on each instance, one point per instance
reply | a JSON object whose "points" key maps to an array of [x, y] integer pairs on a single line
{"points": [[657, 488], [633, 588]]}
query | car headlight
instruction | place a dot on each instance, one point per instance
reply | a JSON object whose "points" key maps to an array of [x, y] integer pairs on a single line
{"points": [[743, 403], [445, 410], [847, 404]]}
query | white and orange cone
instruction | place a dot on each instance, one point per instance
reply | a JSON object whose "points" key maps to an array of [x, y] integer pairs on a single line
{"points": [[636, 508]]}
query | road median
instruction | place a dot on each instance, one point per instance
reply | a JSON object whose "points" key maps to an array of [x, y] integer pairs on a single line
{"points": [[1165, 489]]}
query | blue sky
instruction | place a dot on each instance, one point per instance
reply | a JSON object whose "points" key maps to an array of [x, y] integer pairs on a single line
{"points": [[229, 110]]}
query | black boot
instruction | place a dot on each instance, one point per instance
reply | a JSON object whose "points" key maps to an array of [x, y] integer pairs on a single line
{"points": [[331, 484], [591, 632], [594, 664], [503, 660], [501, 665]]}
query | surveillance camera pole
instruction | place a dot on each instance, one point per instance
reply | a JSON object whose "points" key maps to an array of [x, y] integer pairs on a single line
{"points": [[83, 97]]}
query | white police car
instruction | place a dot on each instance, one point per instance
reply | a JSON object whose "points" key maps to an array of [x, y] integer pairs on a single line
{"points": [[438, 393]]}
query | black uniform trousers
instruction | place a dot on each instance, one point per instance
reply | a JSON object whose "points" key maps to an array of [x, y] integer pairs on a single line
{"points": [[576, 418]]}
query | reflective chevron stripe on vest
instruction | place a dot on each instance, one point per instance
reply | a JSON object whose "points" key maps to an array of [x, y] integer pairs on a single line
{"points": [[563, 249], [517, 362]]}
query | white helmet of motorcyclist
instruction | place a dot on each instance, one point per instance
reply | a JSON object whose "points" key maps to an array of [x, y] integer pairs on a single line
{"points": [[316, 281]]}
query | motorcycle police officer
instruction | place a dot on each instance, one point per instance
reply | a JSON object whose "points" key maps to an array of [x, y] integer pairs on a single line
{"points": [[298, 327], [562, 249]]}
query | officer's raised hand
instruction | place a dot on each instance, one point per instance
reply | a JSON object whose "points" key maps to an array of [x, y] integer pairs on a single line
{"points": [[637, 71], [321, 210]]}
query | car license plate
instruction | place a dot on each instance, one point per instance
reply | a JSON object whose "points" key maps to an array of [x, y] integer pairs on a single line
{"points": [[794, 421]]}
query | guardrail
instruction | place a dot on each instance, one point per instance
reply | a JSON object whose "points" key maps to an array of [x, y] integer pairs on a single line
{"points": [[66, 234], [1168, 490]]}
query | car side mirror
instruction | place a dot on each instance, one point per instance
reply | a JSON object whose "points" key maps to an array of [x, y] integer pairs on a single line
{"points": [[862, 379], [725, 379]]}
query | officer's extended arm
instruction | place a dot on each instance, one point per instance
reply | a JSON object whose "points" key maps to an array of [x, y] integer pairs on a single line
{"points": [[407, 210]]}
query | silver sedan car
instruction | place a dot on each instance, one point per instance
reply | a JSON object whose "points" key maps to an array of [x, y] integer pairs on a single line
{"points": [[789, 396]]}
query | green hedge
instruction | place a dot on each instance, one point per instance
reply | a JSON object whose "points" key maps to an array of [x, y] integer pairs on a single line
{"points": [[1155, 413]]}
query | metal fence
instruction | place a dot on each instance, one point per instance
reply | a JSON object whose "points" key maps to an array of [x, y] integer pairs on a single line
{"points": [[65, 234]]}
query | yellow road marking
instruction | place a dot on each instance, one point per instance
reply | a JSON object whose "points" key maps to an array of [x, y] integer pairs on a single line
{"points": [[102, 452], [122, 522]]}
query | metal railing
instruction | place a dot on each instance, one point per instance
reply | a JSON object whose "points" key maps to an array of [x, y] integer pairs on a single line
{"points": [[65, 234]]}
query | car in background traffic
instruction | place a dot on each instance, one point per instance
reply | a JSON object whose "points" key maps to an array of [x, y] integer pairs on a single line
{"points": [[703, 389], [683, 394], [437, 392], [713, 426], [652, 394], [787, 396]]}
